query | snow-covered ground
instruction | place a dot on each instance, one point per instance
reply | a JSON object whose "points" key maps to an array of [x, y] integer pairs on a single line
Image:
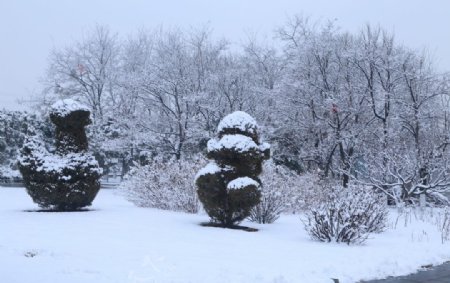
{"points": [[117, 242]]}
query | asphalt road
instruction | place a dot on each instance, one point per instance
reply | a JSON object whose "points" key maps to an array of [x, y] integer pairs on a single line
{"points": [[438, 274]]}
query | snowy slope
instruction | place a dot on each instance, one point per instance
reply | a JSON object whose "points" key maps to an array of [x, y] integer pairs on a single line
{"points": [[117, 242]]}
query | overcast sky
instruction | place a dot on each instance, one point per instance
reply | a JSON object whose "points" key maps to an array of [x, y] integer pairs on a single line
{"points": [[29, 29]]}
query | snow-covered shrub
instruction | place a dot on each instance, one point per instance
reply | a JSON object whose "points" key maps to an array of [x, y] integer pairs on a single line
{"points": [[282, 190], [347, 215], [445, 226], [228, 187], [164, 184], [7, 174], [69, 178]]}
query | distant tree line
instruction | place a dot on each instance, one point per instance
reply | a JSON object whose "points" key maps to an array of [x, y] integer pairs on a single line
{"points": [[353, 107]]}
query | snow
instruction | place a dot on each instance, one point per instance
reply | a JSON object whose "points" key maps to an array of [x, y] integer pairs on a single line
{"points": [[117, 242], [264, 146], [51, 162], [7, 172], [66, 106], [238, 120], [239, 142], [57, 163], [241, 183], [210, 168]]}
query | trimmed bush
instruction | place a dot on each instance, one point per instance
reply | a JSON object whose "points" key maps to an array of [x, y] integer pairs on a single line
{"points": [[67, 179], [228, 187]]}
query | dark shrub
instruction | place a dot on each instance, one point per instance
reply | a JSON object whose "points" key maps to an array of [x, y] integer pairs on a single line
{"points": [[69, 178], [228, 187]]}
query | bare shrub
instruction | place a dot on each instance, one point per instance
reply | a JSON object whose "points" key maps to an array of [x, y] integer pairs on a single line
{"points": [[445, 231], [164, 184], [282, 191], [436, 216], [443, 224], [346, 215]]}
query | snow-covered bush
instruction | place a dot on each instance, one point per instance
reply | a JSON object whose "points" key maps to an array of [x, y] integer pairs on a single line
{"points": [[346, 215], [7, 174], [164, 184], [69, 178], [445, 226], [282, 190], [228, 187]]}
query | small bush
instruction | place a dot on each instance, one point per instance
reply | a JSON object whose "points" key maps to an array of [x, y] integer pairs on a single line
{"points": [[164, 184], [444, 225], [346, 215], [282, 190]]}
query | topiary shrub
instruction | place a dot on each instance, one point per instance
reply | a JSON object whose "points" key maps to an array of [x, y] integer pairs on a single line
{"points": [[69, 178], [228, 187]]}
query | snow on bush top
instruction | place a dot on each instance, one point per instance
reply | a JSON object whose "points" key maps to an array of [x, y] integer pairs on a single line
{"points": [[241, 183], [264, 146], [54, 163], [49, 162], [211, 168], [238, 120], [66, 106], [238, 142]]}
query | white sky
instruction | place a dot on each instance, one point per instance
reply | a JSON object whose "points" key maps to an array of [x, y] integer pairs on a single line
{"points": [[30, 28]]}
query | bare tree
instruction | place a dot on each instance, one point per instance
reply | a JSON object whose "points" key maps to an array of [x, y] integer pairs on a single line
{"points": [[86, 71]]}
